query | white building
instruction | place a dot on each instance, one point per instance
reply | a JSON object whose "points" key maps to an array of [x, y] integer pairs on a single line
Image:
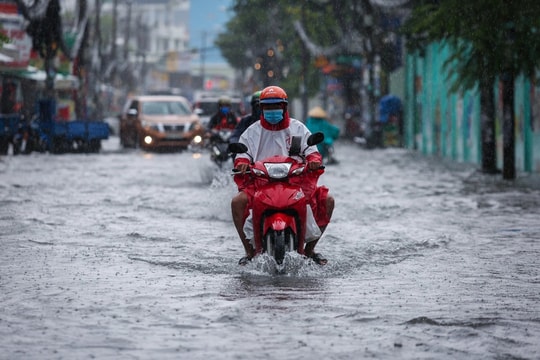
{"points": [[167, 22], [160, 34]]}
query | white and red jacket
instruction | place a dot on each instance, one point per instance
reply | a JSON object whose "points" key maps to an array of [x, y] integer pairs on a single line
{"points": [[276, 140]]}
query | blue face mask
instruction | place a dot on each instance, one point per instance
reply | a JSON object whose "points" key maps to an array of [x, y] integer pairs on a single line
{"points": [[224, 110], [273, 116]]}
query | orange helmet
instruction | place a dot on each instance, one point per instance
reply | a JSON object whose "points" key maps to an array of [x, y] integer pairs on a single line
{"points": [[273, 95]]}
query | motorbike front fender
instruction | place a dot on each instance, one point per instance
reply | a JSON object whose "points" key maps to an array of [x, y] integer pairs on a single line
{"points": [[279, 222]]}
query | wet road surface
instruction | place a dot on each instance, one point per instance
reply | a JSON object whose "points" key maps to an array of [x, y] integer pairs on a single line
{"points": [[130, 255]]}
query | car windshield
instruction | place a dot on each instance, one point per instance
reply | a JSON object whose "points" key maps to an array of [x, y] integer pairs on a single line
{"points": [[209, 108], [165, 108]]}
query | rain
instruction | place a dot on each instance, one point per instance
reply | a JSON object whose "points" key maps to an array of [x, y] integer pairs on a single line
{"points": [[112, 247]]}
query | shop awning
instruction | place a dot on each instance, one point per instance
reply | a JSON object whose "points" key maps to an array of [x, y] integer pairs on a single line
{"points": [[61, 81]]}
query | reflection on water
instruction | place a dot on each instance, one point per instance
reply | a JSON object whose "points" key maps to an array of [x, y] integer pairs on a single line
{"points": [[251, 284]]}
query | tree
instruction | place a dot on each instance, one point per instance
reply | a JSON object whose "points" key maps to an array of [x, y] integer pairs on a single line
{"points": [[79, 54], [45, 29], [261, 39], [305, 33], [492, 39], [3, 39]]}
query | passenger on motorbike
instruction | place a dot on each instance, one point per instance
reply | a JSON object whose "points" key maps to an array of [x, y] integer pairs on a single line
{"points": [[317, 121], [247, 120], [273, 136]]}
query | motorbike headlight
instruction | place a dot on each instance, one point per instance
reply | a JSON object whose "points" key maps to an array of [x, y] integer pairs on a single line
{"points": [[197, 139], [225, 134], [278, 170]]}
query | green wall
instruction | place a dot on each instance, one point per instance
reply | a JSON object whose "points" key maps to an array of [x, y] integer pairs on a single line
{"points": [[441, 123]]}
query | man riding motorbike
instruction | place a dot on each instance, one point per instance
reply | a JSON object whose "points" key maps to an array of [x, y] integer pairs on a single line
{"points": [[219, 130], [273, 136]]}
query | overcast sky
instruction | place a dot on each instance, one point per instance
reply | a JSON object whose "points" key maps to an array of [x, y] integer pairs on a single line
{"points": [[208, 17]]}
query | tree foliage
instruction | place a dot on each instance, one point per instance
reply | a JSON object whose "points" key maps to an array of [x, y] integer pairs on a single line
{"points": [[259, 25], [310, 34], [45, 27], [489, 37]]}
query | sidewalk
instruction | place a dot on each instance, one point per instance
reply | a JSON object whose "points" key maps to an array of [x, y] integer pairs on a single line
{"points": [[529, 180]]}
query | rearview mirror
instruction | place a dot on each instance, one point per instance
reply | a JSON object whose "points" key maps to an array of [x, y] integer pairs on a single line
{"points": [[315, 138], [237, 148]]}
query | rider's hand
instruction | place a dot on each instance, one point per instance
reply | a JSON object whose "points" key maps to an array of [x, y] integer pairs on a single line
{"points": [[314, 165], [242, 168]]}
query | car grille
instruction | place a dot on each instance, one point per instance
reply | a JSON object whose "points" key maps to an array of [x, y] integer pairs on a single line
{"points": [[173, 128]]}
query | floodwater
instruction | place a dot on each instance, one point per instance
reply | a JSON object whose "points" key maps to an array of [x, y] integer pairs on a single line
{"points": [[130, 255]]}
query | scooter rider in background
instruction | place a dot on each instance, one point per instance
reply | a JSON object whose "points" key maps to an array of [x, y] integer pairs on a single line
{"points": [[318, 121], [224, 118], [219, 130], [273, 136], [247, 120]]}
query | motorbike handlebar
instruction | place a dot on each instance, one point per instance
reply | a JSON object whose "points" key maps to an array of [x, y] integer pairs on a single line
{"points": [[235, 171]]}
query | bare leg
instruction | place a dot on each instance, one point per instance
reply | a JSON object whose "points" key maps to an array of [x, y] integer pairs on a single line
{"points": [[238, 208]]}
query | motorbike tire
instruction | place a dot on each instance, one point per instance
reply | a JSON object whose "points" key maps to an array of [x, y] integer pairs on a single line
{"points": [[278, 239]]}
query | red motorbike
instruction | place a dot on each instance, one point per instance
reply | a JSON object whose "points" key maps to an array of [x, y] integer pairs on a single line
{"points": [[279, 204]]}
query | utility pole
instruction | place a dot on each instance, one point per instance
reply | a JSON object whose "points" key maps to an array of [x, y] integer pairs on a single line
{"points": [[202, 54], [128, 30], [305, 64]]}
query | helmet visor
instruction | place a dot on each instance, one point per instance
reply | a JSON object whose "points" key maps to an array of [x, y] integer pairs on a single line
{"points": [[272, 101]]}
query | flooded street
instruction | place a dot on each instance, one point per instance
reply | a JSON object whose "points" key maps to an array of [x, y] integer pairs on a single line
{"points": [[131, 255]]}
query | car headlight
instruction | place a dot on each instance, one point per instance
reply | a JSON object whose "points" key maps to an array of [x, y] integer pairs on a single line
{"points": [[278, 170]]}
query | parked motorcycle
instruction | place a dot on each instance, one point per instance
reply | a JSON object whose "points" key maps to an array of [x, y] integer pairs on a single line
{"points": [[279, 209]]}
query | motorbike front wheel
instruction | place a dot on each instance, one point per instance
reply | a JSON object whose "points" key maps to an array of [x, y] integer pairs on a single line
{"points": [[278, 243]]}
